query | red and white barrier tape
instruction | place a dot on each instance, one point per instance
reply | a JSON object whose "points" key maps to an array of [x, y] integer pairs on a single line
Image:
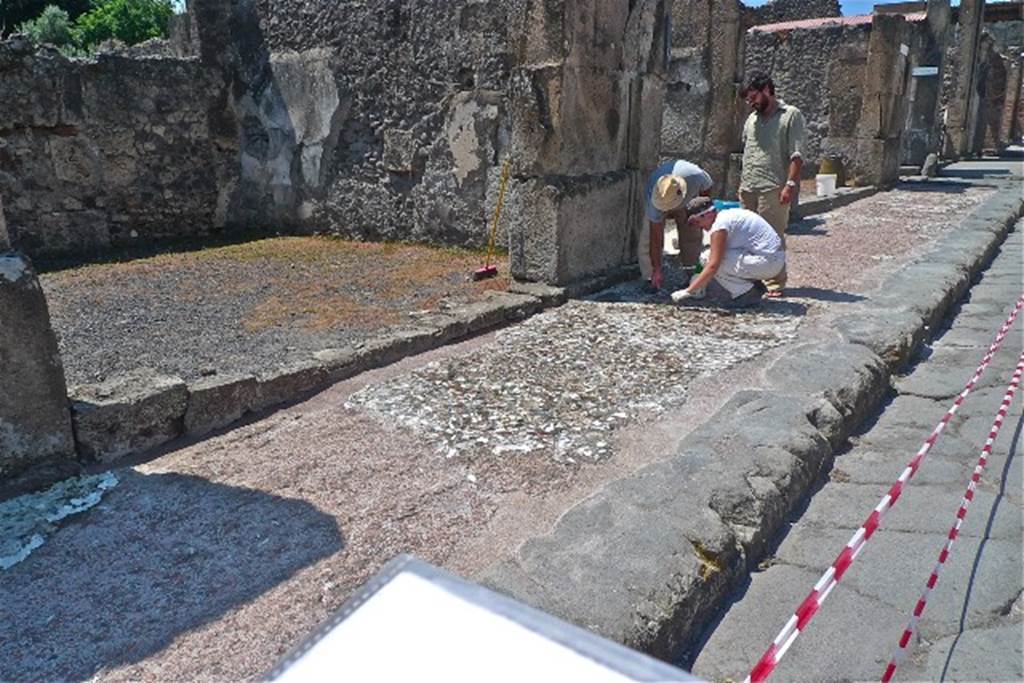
{"points": [[805, 612], [961, 513]]}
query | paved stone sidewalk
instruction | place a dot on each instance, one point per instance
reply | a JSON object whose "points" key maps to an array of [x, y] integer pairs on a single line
{"points": [[972, 627]]}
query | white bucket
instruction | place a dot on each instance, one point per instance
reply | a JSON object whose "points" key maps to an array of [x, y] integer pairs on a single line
{"points": [[826, 183]]}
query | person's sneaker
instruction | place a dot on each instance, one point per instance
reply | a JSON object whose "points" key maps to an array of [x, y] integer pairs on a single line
{"points": [[752, 297]]}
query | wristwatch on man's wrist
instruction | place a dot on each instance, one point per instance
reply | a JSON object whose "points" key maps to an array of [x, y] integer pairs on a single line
{"points": [[791, 183]]}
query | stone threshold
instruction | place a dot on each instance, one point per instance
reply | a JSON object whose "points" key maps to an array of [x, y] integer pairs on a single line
{"points": [[650, 559]]}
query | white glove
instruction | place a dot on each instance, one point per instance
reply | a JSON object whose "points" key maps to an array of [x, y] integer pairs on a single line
{"points": [[683, 294]]}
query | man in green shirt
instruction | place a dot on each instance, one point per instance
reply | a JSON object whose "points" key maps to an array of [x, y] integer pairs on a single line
{"points": [[773, 140]]}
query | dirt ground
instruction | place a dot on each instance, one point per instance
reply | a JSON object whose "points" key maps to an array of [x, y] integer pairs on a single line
{"points": [[246, 307], [209, 562]]}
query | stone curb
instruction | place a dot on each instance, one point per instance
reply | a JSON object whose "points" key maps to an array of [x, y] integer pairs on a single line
{"points": [[820, 205], [649, 559], [139, 411]]}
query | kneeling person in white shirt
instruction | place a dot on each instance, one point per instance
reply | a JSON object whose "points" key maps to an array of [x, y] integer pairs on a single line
{"points": [[745, 249]]}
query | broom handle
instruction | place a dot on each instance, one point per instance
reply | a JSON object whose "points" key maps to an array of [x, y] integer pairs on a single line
{"points": [[497, 212]]}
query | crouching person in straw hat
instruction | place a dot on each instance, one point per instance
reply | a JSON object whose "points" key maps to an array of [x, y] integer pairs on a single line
{"points": [[745, 249], [670, 186]]}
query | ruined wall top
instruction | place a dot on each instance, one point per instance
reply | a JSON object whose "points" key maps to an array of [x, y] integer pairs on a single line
{"points": [[779, 11]]}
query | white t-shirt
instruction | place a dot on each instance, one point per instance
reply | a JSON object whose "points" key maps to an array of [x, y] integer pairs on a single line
{"points": [[747, 232]]}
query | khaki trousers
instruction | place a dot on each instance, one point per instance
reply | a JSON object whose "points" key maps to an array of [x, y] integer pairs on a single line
{"points": [[766, 204]]}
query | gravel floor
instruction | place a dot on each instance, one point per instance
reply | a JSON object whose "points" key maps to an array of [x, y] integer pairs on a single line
{"points": [[544, 386], [246, 307]]}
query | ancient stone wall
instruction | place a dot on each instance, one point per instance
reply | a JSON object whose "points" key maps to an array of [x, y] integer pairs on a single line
{"points": [[821, 71], [377, 120], [850, 80], [393, 120], [962, 103], [105, 152], [791, 10], [704, 113]]}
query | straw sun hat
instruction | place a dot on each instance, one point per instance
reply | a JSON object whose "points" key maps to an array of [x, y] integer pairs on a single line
{"points": [[669, 193]]}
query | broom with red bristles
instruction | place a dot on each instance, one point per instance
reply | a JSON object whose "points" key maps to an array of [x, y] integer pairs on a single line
{"points": [[490, 270]]}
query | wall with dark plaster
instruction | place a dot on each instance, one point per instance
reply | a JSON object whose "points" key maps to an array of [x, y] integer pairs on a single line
{"points": [[392, 120], [104, 152]]}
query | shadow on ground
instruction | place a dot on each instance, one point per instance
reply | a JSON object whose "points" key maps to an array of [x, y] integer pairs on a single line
{"points": [[162, 555], [807, 226], [823, 294]]}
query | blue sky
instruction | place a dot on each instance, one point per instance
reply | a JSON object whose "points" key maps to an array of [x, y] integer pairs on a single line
{"points": [[849, 7]]}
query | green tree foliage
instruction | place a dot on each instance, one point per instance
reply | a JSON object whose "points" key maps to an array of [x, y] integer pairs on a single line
{"points": [[130, 21], [13, 13], [53, 27]]}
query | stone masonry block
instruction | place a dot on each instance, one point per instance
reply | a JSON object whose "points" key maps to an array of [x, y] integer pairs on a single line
{"points": [[568, 120], [283, 385], [215, 402], [894, 335], [571, 228], [576, 32], [127, 414], [35, 423]]}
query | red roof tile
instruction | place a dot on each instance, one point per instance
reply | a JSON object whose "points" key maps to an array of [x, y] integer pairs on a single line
{"points": [[830, 21]]}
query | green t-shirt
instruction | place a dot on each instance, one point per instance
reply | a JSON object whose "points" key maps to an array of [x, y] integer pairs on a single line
{"points": [[768, 145]]}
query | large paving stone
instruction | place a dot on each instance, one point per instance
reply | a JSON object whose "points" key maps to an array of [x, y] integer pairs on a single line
{"points": [[910, 558], [950, 368], [921, 509], [926, 288], [35, 422], [894, 335], [982, 654], [866, 465], [768, 602], [128, 413], [640, 567]]}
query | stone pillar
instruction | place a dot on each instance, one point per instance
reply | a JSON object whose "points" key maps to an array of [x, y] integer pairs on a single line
{"points": [[585, 108], [703, 119], [961, 109], [884, 110], [36, 443], [1011, 102]]}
